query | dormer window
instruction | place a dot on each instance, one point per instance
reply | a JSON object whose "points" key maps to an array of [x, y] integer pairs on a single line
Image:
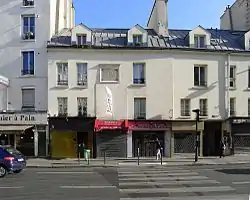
{"points": [[137, 39], [199, 41], [81, 39]]}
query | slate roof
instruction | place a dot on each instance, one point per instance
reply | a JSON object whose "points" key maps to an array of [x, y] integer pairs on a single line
{"points": [[221, 40]]}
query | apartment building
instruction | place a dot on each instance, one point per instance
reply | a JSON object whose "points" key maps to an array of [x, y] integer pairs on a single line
{"points": [[26, 27], [236, 16]]}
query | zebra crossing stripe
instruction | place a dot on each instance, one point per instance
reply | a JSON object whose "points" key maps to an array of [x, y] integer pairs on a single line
{"points": [[155, 175], [194, 182], [178, 190], [162, 171], [164, 178]]}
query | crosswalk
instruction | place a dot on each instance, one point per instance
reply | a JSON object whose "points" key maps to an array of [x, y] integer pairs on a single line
{"points": [[156, 183]]}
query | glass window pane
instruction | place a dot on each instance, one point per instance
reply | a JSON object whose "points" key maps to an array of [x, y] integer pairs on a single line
{"points": [[196, 75]]}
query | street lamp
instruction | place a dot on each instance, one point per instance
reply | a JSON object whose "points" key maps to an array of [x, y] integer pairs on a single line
{"points": [[197, 119]]}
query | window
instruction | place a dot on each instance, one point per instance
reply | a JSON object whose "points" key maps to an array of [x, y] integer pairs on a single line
{"points": [[137, 39], [109, 74], [81, 39], [199, 41], [62, 73], [28, 2], [232, 76], [139, 73], [185, 107], [249, 77], [28, 63], [200, 76], [82, 76], [232, 106], [28, 99], [62, 106], [248, 107], [203, 107], [28, 27], [82, 103], [140, 108]]}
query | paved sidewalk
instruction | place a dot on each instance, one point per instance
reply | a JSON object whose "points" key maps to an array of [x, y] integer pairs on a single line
{"points": [[176, 161]]}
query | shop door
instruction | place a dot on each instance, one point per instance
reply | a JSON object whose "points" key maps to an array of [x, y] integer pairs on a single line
{"points": [[114, 143], [146, 143], [241, 143], [64, 144]]}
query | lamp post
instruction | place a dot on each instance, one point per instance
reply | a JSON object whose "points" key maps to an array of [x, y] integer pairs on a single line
{"points": [[197, 119]]}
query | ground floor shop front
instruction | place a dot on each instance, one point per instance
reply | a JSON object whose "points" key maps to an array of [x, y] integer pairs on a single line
{"points": [[25, 131]]}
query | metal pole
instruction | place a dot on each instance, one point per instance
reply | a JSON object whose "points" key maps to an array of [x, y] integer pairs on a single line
{"points": [[104, 158], [196, 141], [161, 156], [79, 156], [138, 156]]}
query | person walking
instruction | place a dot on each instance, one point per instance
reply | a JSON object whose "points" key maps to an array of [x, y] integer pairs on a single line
{"points": [[222, 149], [158, 149]]}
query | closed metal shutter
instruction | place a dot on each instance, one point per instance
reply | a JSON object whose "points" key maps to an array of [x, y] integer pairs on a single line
{"points": [[184, 142], [114, 143], [241, 143]]}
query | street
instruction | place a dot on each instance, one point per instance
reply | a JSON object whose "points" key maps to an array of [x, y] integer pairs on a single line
{"points": [[129, 182]]}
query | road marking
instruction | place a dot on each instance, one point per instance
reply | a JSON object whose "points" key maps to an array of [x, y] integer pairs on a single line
{"points": [[168, 183], [11, 187], [155, 175], [165, 178], [65, 172], [162, 171], [241, 182], [88, 187], [178, 190]]}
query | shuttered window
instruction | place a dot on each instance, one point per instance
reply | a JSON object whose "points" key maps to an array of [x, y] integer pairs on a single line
{"points": [[28, 98]]}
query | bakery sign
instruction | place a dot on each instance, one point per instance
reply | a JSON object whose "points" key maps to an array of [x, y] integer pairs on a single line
{"points": [[23, 118], [148, 125]]}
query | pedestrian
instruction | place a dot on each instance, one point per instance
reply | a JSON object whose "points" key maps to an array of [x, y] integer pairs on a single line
{"points": [[158, 149], [222, 149]]}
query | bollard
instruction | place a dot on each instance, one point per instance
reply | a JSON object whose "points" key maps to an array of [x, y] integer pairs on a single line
{"points": [[88, 155], [161, 156], [79, 157], [104, 158], [138, 156]]}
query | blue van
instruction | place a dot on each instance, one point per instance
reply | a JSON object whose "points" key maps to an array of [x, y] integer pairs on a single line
{"points": [[11, 160]]}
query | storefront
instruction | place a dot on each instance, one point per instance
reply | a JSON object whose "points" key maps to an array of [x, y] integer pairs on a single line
{"points": [[237, 136], [25, 131], [67, 132], [143, 133], [184, 136], [111, 138]]}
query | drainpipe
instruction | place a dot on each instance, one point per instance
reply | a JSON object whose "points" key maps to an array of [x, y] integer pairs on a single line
{"points": [[228, 85]]}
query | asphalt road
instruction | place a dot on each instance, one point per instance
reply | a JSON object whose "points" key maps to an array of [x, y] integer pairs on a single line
{"points": [[129, 183]]}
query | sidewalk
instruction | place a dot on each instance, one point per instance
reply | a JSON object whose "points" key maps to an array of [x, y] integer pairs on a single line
{"points": [[113, 162]]}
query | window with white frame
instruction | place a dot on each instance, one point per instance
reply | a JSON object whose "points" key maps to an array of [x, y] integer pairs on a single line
{"points": [[248, 85], [137, 39], [199, 41], [139, 73], [62, 74], [62, 106], [185, 108], [232, 76], [81, 39], [109, 73], [82, 103], [248, 105], [29, 27], [200, 75], [28, 3], [140, 108], [203, 108], [232, 106], [28, 99], [82, 74], [28, 63]]}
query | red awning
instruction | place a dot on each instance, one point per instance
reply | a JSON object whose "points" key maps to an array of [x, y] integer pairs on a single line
{"points": [[109, 125]]}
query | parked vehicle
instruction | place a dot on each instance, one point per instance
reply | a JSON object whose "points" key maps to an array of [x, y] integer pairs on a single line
{"points": [[11, 160]]}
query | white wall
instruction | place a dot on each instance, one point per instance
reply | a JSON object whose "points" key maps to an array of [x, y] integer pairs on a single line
{"points": [[158, 89]]}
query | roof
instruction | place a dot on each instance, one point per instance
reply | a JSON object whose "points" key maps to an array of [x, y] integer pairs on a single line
{"points": [[221, 40]]}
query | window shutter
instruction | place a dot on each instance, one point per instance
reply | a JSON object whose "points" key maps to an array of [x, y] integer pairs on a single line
{"points": [[28, 98]]}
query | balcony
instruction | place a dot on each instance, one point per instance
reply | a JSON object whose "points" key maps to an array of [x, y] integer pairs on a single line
{"points": [[138, 81], [62, 82]]}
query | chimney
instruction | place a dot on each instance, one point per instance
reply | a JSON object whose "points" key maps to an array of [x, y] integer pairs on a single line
{"points": [[162, 17]]}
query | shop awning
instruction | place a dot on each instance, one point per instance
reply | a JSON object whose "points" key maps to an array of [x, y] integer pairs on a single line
{"points": [[14, 128]]}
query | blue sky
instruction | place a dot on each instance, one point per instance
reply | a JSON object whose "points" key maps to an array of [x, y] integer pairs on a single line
{"points": [[183, 14]]}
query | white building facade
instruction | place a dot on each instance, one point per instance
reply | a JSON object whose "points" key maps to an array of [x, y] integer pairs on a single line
{"points": [[26, 27]]}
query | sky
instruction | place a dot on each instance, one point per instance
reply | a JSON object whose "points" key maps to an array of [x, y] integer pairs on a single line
{"points": [[183, 14]]}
